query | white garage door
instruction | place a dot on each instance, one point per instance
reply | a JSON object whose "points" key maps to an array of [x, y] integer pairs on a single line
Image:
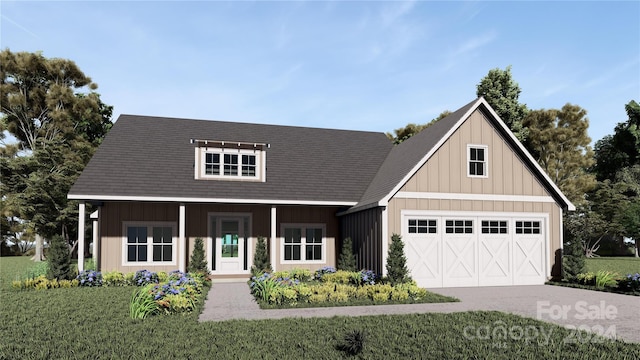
{"points": [[451, 251]]}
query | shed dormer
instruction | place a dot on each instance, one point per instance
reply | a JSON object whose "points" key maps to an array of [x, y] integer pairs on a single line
{"points": [[230, 160]]}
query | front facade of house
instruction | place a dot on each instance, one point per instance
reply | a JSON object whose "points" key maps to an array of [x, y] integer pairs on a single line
{"points": [[472, 206]]}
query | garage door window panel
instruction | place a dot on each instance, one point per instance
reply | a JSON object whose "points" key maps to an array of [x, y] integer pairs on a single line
{"points": [[419, 226], [459, 226], [528, 227], [494, 227]]}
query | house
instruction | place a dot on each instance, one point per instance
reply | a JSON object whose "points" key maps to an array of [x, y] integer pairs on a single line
{"points": [[471, 204]]}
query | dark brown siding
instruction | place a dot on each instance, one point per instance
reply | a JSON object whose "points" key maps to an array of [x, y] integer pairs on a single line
{"points": [[365, 230]]}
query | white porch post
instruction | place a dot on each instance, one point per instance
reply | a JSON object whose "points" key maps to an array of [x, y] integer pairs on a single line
{"points": [[94, 252], [385, 240], [273, 237], [81, 219], [182, 243]]}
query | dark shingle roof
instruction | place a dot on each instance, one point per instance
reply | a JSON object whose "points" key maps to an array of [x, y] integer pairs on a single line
{"points": [[405, 156], [153, 157]]}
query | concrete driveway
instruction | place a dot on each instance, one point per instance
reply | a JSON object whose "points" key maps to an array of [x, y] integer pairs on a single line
{"points": [[603, 313]]}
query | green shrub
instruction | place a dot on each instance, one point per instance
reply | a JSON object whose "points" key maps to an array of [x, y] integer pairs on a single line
{"points": [[380, 297], [113, 278], [198, 262], [42, 283], [353, 342], [261, 261], [573, 260], [263, 286], [142, 303], [347, 260], [588, 278], [606, 278], [339, 277], [397, 272], [59, 260], [90, 264]]}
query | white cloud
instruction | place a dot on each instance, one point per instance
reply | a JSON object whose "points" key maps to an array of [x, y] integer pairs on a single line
{"points": [[476, 43], [390, 14]]}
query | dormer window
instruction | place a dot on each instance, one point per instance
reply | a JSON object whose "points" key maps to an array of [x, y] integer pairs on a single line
{"points": [[224, 160]]}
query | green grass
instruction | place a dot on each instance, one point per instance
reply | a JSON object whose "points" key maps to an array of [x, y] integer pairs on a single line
{"points": [[94, 323], [620, 265]]}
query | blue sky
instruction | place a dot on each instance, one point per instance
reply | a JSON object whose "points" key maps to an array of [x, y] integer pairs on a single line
{"points": [[349, 65]]}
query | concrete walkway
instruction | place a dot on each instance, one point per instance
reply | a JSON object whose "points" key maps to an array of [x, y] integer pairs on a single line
{"points": [[603, 313]]}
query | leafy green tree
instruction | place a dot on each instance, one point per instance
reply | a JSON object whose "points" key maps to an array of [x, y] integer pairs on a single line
{"points": [[397, 271], [51, 108], [401, 134], [558, 140], [59, 260], [502, 93], [622, 149], [261, 261], [587, 228], [347, 260], [198, 261], [630, 220]]}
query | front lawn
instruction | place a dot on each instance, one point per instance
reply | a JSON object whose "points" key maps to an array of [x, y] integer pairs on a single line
{"points": [[94, 323], [620, 265]]}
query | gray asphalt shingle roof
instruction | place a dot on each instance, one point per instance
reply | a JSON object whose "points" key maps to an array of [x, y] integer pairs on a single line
{"points": [[152, 157]]}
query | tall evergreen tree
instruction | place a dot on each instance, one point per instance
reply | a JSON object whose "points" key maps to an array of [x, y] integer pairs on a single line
{"points": [[59, 260], [502, 93], [347, 260], [558, 140], [261, 261], [198, 262], [397, 271]]}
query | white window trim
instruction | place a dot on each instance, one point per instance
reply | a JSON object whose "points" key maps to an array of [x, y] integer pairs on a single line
{"points": [[201, 158], [303, 243], [150, 224], [486, 160]]}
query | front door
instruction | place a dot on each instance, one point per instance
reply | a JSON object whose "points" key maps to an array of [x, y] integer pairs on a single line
{"points": [[229, 246]]}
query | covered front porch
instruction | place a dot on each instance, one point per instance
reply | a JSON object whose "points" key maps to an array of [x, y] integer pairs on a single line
{"points": [[159, 236]]}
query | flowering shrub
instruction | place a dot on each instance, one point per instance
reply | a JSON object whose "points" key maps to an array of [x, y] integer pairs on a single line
{"points": [[144, 277], [325, 270], [89, 278], [330, 286], [113, 278], [630, 283], [368, 277]]}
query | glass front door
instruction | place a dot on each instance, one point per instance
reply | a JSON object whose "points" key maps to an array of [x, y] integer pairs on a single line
{"points": [[228, 245]]}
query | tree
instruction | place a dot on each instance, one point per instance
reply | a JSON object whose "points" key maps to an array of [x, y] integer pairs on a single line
{"points": [[502, 93], [397, 271], [39, 100], [51, 108], [261, 261], [573, 260], [558, 140], [59, 260], [347, 260], [630, 220], [401, 134], [587, 228], [198, 262], [622, 149]]}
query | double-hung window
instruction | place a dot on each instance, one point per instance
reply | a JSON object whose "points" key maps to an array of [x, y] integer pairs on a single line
{"points": [[149, 244], [477, 160], [303, 243]]}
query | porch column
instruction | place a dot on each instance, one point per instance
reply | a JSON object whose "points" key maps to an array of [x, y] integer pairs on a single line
{"points": [[385, 240], [81, 215], [182, 243], [273, 237], [94, 251]]}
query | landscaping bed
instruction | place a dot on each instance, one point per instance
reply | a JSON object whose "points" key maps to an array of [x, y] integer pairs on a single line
{"points": [[604, 281], [328, 287]]}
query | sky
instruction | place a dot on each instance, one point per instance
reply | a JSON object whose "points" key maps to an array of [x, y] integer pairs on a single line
{"points": [[359, 65]]}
